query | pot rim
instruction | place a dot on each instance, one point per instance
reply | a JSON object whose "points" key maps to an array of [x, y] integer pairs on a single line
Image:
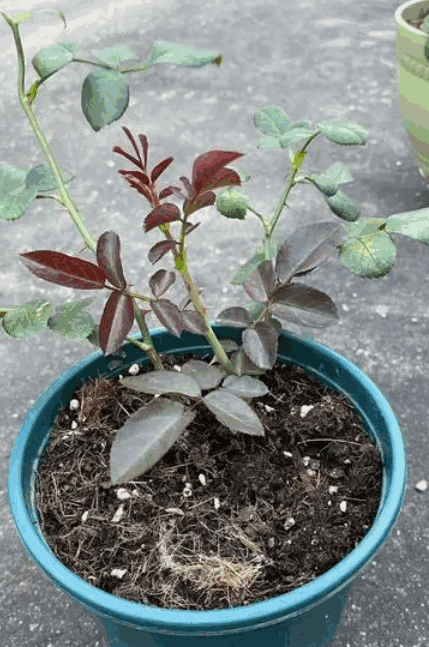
{"points": [[403, 23], [235, 619]]}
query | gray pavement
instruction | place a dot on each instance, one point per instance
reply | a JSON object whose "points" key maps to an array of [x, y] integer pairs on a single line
{"points": [[316, 59]]}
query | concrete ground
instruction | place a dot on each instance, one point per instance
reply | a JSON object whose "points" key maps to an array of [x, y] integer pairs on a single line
{"points": [[317, 59]]}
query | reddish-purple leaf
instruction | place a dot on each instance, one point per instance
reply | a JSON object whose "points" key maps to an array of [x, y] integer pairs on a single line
{"points": [[171, 190], [260, 343], [133, 142], [169, 315], [160, 168], [161, 281], [224, 177], [304, 305], [194, 322], [190, 228], [109, 258], [199, 202], [116, 321], [258, 286], [141, 188], [161, 215], [130, 158], [65, 270], [207, 165], [242, 364], [237, 317], [266, 272], [138, 175], [145, 145], [188, 186], [307, 247], [160, 249]]}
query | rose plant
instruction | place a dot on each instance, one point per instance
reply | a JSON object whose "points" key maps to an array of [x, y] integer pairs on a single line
{"points": [[365, 247]]}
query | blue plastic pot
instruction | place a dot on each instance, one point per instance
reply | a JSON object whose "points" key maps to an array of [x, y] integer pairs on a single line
{"points": [[305, 617]]}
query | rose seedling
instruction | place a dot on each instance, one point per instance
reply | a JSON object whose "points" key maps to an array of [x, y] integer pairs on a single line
{"points": [[272, 277]]}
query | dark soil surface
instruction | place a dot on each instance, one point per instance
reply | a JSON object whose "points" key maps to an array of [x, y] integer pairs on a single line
{"points": [[223, 519]]}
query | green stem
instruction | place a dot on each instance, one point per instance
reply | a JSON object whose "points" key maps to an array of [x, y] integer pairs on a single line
{"points": [[147, 345], [181, 267], [264, 221], [106, 66], [210, 335], [25, 104], [299, 157], [135, 68], [64, 198]]}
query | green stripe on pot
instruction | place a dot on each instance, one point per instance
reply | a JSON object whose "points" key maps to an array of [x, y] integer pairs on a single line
{"points": [[413, 79], [305, 617]]}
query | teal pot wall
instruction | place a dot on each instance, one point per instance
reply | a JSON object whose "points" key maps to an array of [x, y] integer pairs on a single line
{"points": [[305, 617], [413, 79]]}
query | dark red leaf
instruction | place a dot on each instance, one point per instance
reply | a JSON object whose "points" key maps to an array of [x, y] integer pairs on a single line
{"points": [[161, 281], [120, 151], [116, 321], [169, 315], [190, 228], [188, 186], [145, 145], [170, 190], [160, 168], [224, 177], [159, 250], [138, 175], [64, 270], [168, 212], [109, 258], [141, 188], [199, 202], [194, 322], [127, 131], [207, 165]]}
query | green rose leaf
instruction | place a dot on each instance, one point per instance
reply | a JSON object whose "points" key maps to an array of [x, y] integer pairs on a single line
{"points": [[165, 52], [27, 319], [342, 206], [343, 132], [232, 204], [49, 60], [71, 322], [42, 178], [14, 196], [329, 181], [368, 252], [272, 121], [105, 97], [414, 224], [269, 142], [11, 178], [294, 135], [14, 206], [115, 55]]}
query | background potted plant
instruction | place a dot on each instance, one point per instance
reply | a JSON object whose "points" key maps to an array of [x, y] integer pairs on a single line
{"points": [[367, 252], [412, 49]]}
